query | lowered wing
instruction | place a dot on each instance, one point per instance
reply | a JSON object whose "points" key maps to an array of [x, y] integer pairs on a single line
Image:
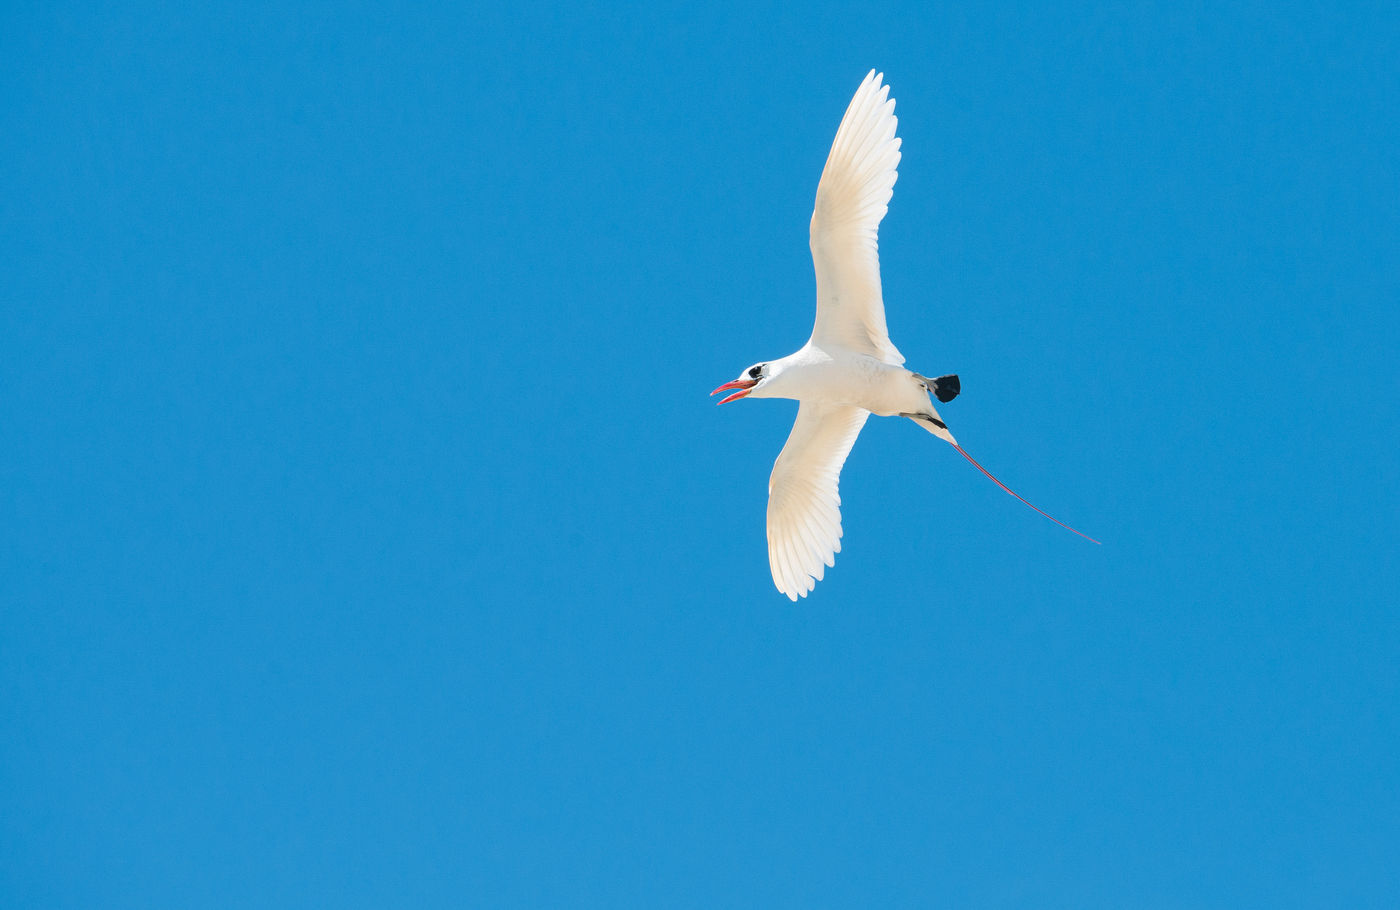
{"points": [[804, 507]]}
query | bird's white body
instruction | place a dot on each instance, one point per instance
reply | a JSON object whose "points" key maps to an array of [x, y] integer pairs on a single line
{"points": [[838, 376], [849, 369]]}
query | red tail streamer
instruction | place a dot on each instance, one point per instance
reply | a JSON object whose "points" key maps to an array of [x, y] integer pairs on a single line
{"points": [[1020, 497]]}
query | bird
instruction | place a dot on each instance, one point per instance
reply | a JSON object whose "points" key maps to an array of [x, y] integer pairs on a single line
{"points": [[849, 368]]}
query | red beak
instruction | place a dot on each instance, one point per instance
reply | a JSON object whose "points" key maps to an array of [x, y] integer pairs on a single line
{"points": [[743, 385]]}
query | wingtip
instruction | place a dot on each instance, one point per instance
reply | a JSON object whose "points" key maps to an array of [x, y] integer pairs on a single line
{"points": [[873, 81], [790, 591]]}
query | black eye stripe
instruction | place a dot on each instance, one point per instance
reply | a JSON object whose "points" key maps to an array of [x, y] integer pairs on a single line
{"points": [[757, 371]]}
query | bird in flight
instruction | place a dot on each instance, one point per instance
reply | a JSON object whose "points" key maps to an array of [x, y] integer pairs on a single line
{"points": [[849, 368]]}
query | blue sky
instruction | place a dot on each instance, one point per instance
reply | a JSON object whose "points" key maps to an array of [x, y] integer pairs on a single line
{"points": [[369, 539]]}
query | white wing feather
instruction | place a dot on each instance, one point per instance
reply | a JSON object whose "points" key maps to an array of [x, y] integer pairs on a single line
{"points": [[804, 507], [852, 198]]}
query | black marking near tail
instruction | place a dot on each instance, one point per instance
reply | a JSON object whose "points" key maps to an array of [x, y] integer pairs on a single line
{"points": [[946, 388], [927, 417]]}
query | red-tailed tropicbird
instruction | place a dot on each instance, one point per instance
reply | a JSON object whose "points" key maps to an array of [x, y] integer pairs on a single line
{"points": [[848, 369]]}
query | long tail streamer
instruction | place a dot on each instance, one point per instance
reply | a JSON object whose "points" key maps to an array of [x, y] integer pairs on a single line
{"points": [[1020, 497]]}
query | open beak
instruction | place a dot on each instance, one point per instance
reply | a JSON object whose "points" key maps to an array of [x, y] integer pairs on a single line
{"points": [[743, 385]]}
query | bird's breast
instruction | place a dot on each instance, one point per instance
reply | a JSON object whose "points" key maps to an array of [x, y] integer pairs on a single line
{"points": [[865, 382]]}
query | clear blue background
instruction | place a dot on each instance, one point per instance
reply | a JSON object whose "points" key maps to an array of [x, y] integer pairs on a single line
{"points": [[367, 537]]}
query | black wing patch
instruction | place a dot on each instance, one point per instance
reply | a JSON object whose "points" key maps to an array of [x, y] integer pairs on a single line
{"points": [[946, 388]]}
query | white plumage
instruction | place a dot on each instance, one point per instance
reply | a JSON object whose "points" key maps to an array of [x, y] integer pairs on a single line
{"points": [[852, 198], [849, 368]]}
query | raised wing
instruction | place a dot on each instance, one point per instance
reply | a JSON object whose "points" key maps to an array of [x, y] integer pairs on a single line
{"points": [[804, 508], [852, 197]]}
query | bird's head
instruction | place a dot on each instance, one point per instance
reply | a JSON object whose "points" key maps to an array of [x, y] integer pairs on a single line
{"points": [[748, 383]]}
